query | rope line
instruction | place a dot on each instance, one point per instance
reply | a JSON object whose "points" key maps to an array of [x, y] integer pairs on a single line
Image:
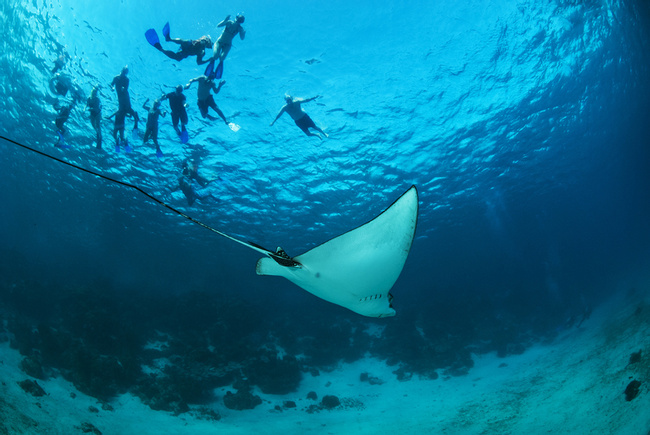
{"points": [[280, 257]]}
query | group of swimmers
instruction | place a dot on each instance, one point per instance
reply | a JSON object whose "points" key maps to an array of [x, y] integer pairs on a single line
{"points": [[190, 182], [207, 87]]}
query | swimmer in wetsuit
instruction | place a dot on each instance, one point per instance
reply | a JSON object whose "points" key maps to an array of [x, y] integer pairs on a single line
{"points": [[177, 105], [302, 120], [121, 85], [151, 131], [94, 105]]}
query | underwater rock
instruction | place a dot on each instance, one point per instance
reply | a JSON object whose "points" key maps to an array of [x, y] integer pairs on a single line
{"points": [[403, 374], [32, 388], [635, 358], [330, 402], [632, 390], [241, 400], [312, 395], [372, 380], [274, 375], [88, 428], [204, 413], [289, 404], [159, 395], [33, 367]]}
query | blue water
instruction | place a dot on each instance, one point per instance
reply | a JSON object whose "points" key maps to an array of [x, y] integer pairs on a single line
{"points": [[524, 126]]}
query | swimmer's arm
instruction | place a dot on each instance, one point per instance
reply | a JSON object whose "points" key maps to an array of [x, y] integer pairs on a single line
{"points": [[284, 108], [111, 116], [187, 86], [307, 100], [242, 33], [145, 105], [225, 20], [218, 88]]}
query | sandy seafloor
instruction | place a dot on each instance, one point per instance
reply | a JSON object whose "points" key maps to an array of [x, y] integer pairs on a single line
{"points": [[574, 384]]}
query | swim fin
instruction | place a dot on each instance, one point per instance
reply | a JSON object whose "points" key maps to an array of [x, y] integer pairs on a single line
{"points": [[166, 31], [159, 153], [127, 147], [135, 135], [152, 38], [61, 142], [209, 70], [219, 71], [185, 136]]}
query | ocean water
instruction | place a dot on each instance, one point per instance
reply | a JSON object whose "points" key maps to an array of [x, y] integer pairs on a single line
{"points": [[524, 126]]}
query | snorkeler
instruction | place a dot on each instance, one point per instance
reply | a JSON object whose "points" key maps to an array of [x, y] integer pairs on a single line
{"points": [[205, 100], [302, 120], [177, 105], [95, 107], [223, 45], [60, 61], [187, 47], [151, 131], [118, 129], [62, 116], [121, 85], [192, 184]]}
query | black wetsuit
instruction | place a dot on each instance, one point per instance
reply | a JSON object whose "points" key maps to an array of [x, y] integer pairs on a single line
{"points": [[121, 83], [177, 106], [152, 125]]}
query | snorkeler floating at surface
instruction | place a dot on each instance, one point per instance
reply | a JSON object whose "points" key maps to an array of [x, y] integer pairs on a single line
{"points": [[121, 85], [223, 45], [205, 99], [151, 131], [188, 47], [177, 105], [62, 116], [302, 120], [94, 105]]}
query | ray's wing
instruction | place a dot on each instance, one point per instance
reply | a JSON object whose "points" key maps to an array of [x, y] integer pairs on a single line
{"points": [[356, 270]]}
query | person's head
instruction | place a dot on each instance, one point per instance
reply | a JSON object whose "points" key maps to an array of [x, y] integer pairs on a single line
{"points": [[206, 40], [125, 70], [288, 98], [156, 103], [240, 18], [179, 89]]}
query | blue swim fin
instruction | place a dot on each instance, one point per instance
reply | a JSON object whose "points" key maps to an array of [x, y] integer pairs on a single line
{"points": [[166, 31], [159, 153], [127, 147], [219, 71], [61, 142], [209, 70], [152, 38], [185, 136]]}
